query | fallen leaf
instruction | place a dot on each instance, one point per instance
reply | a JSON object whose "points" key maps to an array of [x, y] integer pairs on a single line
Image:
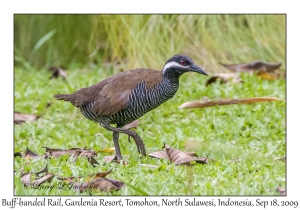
{"points": [[95, 181], [88, 177], [231, 78], [31, 155], [58, 152], [159, 154], [57, 72], [46, 178], [133, 124], [177, 156], [92, 161], [116, 183], [267, 75], [279, 158], [20, 118], [281, 191], [113, 158], [222, 102], [44, 170], [108, 150], [193, 154], [25, 178], [110, 158], [89, 154], [106, 185], [253, 66]]}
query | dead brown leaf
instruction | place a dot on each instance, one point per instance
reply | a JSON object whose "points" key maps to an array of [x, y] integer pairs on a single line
{"points": [[58, 72], [31, 155], [222, 102], [58, 152], [276, 74], [159, 154], [110, 158], [44, 170], [46, 178], [25, 178], [231, 78], [92, 161], [95, 181], [265, 75], [117, 183], [113, 158], [105, 185], [252, 66], [192, 154], [87, 178], [20, 118], [177, 156], [75, 152], [89, 154], [281, 191]]}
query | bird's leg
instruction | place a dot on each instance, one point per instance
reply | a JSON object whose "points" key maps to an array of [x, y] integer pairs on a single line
{"points": [[129, 139], [117, 146], [137, 139]]}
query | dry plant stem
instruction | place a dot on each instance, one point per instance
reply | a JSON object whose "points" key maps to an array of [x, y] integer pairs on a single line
{"points": [[222, 102]]}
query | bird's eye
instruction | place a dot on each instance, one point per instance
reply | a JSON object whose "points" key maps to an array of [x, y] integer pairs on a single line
{"points": [[182, 62]]}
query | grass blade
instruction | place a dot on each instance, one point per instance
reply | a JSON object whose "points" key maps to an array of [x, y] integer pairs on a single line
{"points": [[43, 40]]}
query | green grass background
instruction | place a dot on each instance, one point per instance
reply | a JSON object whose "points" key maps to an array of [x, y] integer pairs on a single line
{"points": [[93, 47]]}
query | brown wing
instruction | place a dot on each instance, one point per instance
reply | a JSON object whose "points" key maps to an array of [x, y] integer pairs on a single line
{"points": [[111, 95]]}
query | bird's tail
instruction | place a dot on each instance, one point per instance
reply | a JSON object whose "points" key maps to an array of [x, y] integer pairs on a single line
{"points": [[66, 97]]}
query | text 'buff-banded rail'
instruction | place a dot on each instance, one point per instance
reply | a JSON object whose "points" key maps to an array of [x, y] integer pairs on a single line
{"points": [[126, 96]]}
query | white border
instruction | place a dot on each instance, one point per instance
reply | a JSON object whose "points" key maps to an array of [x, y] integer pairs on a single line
{"points": [[8, 8]]}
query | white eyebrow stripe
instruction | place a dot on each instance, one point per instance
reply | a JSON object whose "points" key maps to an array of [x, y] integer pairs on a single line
{"points": [[173, 63]]}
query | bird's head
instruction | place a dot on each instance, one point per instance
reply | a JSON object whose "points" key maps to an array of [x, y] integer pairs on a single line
{"points": [[179, 64]]}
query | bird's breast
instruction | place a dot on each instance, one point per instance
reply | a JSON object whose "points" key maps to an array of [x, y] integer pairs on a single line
{"points": [[144, 99]]}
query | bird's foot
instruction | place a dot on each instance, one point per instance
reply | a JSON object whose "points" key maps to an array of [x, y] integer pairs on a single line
{"points": [[140, 145], [119, 160]]}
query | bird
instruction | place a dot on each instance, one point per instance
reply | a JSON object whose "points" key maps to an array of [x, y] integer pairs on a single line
{"points": [[126, 96]]}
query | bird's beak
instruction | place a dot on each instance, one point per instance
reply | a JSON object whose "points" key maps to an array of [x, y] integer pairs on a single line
{"points": [[195, 68]]}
